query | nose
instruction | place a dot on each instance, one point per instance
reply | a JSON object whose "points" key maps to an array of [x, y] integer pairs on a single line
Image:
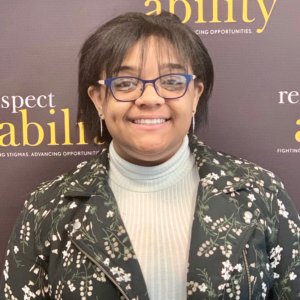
{"points": [[150, 97]]}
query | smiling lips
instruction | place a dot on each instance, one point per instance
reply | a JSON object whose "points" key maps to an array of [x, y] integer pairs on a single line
{"points": [[150, 121]]}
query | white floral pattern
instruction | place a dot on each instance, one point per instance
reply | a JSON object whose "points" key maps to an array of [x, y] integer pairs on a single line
{"points": [[70, 242]]}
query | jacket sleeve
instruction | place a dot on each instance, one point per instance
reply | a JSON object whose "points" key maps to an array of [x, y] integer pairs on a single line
{"points": [[24, 275], [284, 254]]}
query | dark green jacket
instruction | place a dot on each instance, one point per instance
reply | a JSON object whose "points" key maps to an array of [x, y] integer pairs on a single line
{"points": [[70, 242]]}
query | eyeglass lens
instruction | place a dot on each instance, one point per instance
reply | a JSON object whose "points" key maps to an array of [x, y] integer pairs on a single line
{"points": [[167, 86]]}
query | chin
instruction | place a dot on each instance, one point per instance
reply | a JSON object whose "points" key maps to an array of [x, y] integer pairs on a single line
{"points": [[156, 151], [149, 146]]}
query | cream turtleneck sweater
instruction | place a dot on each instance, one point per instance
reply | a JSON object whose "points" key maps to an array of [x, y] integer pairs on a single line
{"points": [[157, 206]]}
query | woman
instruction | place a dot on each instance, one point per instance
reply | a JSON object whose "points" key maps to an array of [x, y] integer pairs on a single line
{"points": [[157, 214]]}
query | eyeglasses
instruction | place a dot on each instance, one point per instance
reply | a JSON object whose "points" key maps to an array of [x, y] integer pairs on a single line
{"points": [[129, 88]]}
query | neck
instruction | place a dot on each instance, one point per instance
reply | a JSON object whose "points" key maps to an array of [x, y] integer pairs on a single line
{"points": [[139, 177], [144, 158]]}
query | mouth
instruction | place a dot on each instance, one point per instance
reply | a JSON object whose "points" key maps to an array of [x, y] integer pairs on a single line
{"points": [[154, 121]]}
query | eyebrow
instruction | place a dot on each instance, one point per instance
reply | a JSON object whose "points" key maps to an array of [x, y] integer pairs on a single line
{"points": [[173, 66], [126, 68]]}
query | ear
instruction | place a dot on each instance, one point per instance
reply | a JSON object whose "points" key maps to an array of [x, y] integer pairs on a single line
{"points": [[95, 95], [198, 91]]}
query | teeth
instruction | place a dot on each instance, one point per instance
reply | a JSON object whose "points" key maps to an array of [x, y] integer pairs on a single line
{"points": [[149, 121]]}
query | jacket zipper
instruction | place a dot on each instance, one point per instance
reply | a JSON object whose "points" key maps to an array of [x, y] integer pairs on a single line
{"points": [[102, 269], [247, 273]]}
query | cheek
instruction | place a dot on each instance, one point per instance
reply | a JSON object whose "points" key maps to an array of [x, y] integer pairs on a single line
{"points": [[114, 113], [111, 120], [112, 124], [184, 109]]}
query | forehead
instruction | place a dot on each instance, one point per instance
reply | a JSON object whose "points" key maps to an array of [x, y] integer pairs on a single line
{"points": [[153, 53]]}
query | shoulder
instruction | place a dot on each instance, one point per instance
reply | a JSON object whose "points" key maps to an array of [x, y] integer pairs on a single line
{"points": [[230, 170], [50, 208], [243, 185], [82, 180]]}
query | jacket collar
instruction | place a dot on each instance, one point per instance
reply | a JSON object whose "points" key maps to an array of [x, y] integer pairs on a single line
{"points": [[222, 171]]}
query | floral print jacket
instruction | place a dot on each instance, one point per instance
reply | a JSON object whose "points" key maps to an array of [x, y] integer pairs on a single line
{"points": [[70, 243]]}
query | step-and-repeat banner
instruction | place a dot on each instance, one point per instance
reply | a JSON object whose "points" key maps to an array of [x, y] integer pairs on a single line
{"points": [[254, 111]]}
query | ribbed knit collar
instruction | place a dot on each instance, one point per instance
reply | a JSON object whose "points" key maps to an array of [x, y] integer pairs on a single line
{"points": [[153, 178]]}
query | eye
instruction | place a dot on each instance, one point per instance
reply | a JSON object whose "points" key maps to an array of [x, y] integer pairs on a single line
{"points": [[173, 82], [124, 84]]}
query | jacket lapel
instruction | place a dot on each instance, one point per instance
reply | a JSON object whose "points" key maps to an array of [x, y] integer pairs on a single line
{"points": [[223, 223], [219, 235], [97, 230]]}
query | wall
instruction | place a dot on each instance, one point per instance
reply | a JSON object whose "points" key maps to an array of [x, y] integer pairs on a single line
{"points": [[254, 110]]}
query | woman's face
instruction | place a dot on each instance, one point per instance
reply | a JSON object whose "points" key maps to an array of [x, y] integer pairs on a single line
{"points": [[135, 138]]}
